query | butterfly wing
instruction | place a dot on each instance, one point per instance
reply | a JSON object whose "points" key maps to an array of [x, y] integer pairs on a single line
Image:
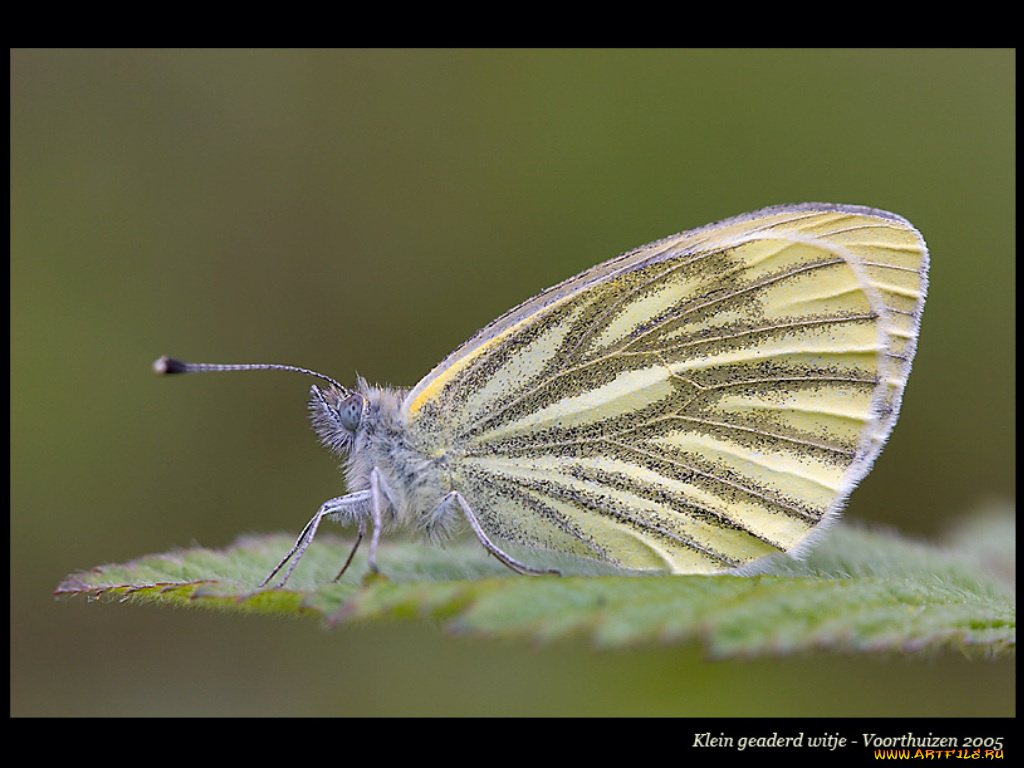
{"points": [[692, 405]]}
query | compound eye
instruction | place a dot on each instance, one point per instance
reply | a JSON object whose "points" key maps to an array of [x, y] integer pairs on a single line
{"points": [[350, 412]]}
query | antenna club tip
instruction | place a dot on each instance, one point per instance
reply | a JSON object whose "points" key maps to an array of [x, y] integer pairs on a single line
{"points": [[166, 365]]}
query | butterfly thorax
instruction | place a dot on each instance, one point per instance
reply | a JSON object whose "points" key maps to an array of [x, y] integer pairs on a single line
{"points": [[413, 483]]}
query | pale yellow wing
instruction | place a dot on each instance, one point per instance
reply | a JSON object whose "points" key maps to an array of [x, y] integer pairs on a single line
{"points": [[693, 405]]}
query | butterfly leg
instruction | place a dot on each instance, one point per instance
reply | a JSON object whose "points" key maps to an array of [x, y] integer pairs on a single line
{"points": [[489, 545], [343, 508], [377, 494], [352, 552]]}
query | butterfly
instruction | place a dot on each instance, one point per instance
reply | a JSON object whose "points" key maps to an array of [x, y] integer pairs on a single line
{"points": [[696, 405]]}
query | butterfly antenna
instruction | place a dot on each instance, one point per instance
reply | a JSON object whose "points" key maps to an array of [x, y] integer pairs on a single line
{"points": [[168, 365]]}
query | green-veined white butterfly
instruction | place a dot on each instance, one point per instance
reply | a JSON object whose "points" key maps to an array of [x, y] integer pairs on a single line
{"points": [[691, 406]]}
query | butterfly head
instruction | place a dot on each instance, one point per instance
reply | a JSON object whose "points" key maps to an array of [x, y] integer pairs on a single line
{"points": [[336, 414]]}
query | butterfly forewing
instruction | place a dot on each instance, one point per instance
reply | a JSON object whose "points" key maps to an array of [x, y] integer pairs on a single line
{"points": [[692, 405]]}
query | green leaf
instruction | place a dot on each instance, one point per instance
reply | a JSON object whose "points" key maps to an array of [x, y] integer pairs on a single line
{"points": [[859, 591]]}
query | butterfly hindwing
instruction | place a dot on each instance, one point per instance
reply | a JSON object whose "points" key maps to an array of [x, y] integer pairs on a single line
{"points": [[692, 405]]}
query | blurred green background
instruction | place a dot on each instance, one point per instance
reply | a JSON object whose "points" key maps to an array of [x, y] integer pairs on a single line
{"points": [[369, 210]]}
